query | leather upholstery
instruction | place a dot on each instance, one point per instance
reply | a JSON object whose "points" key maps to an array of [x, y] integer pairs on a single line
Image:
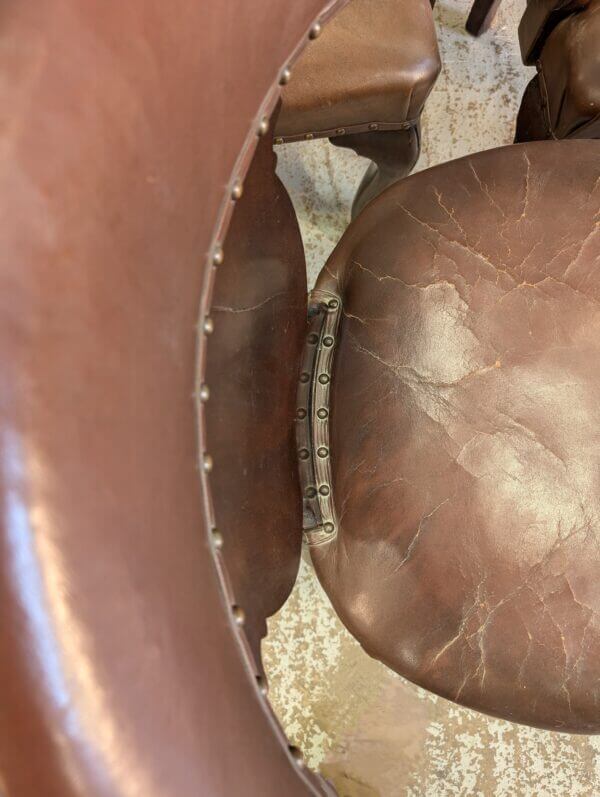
{"points": [[258, 311], [465, 432], [121, 667], [569, 75], [375, 63], [539, 20]]}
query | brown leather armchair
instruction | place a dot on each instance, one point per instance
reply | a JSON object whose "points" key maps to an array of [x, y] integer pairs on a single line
{"points": [[170, 426]]}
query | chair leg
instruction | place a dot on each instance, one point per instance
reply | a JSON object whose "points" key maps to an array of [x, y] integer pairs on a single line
{"points": [[481, 16], [394, 154]]}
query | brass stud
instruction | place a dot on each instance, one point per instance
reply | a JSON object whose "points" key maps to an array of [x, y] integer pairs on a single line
{"points": [[304, 453], [328, 527], [237, 190], [322, 413], [204, 393], [301, 414], [333, 304], [296, 754], [373, 126], [285, 76], [323, 379], [208, 326], [328, 341], [217, 539], [324, 489], [207, 463], [238, 615], [304, 377], [340, 131], [262, 684], [278, 140], [313, 338], [309, 136], [263, 127], [217, 257], [323, 452], [311, 492], [315, 31]]}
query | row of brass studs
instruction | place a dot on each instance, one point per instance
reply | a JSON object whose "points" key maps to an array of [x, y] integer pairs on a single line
{"points": [[312, 418], [208, 326], [342, 131], [237, 612], [217, 258]]}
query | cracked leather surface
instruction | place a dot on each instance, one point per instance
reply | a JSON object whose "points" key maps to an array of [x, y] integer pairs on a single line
{"points": [[465, 432], [335, 84]]}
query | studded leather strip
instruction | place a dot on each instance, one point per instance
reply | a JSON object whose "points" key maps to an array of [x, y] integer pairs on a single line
{"points": [[312, 420], [335, 132]]}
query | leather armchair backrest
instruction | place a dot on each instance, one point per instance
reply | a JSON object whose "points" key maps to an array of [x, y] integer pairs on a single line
{"points": [[125, 128], [538, 21]]}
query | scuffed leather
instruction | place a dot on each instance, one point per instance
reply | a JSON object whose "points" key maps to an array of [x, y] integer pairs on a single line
{"points": [[376, 61], [465, 432]]}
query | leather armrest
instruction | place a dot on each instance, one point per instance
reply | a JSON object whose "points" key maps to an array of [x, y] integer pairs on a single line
{"points": [[371, 68]]}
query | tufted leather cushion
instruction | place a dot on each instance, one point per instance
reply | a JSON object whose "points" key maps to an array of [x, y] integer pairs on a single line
{"points": [[465, 432], [376, 62]]}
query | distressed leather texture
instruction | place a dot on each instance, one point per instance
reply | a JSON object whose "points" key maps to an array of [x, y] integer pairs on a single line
{"points": [[375, 62], [569, 74], [465, 432]]}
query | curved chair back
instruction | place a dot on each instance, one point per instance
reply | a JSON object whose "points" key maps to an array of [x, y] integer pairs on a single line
{"points": [[128, 131]]}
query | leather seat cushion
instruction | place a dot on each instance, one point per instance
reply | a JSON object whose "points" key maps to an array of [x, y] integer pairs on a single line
{"points": [[465, 432], [570, 72], [376, 61]]}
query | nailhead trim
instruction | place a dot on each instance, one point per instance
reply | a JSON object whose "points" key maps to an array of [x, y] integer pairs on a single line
{"points": [[313, 781]]}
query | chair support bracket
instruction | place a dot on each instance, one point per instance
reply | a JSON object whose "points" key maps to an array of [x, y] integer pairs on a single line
{"points": [[320, 523]]}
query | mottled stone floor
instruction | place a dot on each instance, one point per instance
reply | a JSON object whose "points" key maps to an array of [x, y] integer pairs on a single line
{"points": [[366, 729]]}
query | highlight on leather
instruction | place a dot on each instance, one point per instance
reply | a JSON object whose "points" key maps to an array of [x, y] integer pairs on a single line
{"points": [[126, 142], [465, 432]]}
